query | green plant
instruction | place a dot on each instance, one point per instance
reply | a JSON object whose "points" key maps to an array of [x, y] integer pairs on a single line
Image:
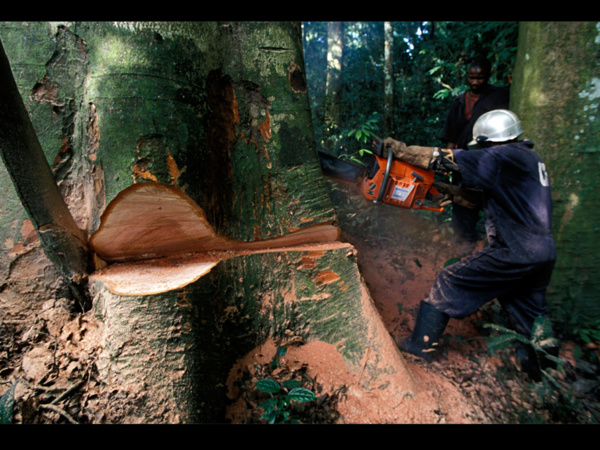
{"points": [[367, 130], [590, 333], [447, 91], [540, 340], [550, 401], [451, 261], [585, 332], [284, 396], [560, 403], [279, 408], [401, 308], [580, 328], [541, 336], [6, 405], [364, 134]]}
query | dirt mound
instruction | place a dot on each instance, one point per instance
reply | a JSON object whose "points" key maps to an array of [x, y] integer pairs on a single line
{"points": [[342, 398]]}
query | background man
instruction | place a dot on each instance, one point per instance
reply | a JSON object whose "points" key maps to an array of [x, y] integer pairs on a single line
{"points": [[464, 111]]}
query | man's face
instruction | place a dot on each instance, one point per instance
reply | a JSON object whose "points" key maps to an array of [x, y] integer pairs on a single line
{"points": [[477, 78]]}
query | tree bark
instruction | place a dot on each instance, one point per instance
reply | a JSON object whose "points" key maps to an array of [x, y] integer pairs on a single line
{"points": [[63, 242], [555, 94], [220, 111]]}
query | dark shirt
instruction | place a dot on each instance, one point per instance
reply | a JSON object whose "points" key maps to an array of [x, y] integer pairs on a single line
{"points": [[458, 128], [518, 202]]}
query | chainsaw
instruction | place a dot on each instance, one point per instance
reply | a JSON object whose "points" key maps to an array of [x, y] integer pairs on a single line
{"points": [[386, 180]]}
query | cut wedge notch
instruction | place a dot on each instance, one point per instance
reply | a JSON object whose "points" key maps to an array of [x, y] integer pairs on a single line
{"points": [[155, 239]]}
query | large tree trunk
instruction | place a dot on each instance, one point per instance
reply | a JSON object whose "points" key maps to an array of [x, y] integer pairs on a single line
{"points": [[247, 157], [219, 110], [555, 93]]}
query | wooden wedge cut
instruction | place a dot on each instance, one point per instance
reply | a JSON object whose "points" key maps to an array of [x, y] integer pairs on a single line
{"points": [[155, 239]]}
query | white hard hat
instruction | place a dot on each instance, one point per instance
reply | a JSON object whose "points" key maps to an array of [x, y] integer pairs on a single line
{"points": [[499, 125]]}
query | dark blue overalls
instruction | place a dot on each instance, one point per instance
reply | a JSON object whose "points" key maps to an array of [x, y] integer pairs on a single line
{"points": [[516, 266]]}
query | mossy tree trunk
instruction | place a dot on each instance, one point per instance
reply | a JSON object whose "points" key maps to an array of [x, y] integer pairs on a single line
{"points": [[555, 92], [221, 111]]}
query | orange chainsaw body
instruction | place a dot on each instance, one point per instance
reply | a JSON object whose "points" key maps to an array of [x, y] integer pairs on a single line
{"points": [[398, 183]]}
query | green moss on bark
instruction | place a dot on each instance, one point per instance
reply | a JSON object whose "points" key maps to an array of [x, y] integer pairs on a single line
{"points": [[556, 93]]}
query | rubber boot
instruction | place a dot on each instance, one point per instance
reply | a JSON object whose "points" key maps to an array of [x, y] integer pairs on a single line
{"points": [[429, 327], [533, 364]]}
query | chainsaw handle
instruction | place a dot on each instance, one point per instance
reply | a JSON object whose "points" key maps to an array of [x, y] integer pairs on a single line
{"points": [[386, 176], [433, 191], [432, 208]]}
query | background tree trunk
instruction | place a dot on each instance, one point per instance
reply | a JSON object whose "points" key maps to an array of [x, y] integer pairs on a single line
{"points": [[221, 111], [555, 93], [333, 87], [388, 70]]}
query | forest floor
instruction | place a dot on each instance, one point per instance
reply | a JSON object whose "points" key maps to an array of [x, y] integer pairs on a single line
{"points": [[399, 252]]}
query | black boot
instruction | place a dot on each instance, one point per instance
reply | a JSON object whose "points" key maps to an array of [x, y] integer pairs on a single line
{"points": [[429, 327], [533, 363]]}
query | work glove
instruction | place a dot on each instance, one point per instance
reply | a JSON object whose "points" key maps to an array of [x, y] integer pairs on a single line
{"points": [[467, 197], [413, 154]]}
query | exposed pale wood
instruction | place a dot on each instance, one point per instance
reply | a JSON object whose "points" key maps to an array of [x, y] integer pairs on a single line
{"points": [[149, 220], [159, 239], [151, 277]]}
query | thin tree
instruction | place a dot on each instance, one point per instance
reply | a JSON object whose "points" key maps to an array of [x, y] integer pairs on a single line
{"points": [[64, 243], [388, 70], [333, 87]]}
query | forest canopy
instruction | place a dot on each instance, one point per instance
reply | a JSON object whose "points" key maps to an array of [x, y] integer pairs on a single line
{"points": [[429, 65]]}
